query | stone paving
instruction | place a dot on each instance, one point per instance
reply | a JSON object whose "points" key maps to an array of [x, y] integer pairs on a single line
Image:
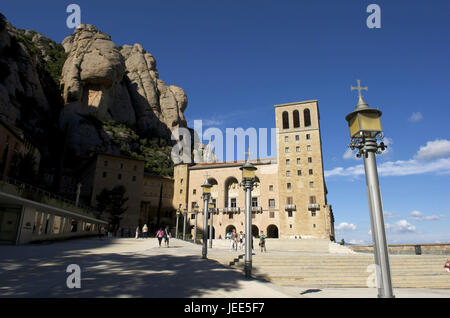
{"points": [[139, 268], [123, 268]]}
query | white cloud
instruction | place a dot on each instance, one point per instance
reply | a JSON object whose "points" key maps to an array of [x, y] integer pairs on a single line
{"points": [[419, 216], [415, 117], [350, 154], [402, 226], [434, 149], [428, 159], [390, 215], [344, 226], [396, 168]]}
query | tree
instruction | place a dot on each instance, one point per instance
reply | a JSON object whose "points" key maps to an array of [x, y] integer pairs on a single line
{"points": [[112, 202], [23, 168], [342, 242]]}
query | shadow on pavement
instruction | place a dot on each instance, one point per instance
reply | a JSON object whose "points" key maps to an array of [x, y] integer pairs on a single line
{"points": [[112, 275]]}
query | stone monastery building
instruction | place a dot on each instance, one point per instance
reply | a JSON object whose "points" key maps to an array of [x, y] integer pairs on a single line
{"points": [[290, 199]]}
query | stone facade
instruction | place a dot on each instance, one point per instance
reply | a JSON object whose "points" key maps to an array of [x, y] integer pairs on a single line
{"points": [[12, 142], [290, 199], [156, 200]]}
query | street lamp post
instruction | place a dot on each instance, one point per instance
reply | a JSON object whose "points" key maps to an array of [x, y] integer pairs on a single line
{"points": [[184, 223], [176, 228], [248, 179], [206, 195], [77, 199], [195, 223], [365, 127], [211, 214]]}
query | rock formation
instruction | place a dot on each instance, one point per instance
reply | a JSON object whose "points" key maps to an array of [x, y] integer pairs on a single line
{"points": [[86, 92], [102, 81]]}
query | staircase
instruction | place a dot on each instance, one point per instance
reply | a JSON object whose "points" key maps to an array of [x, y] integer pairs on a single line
{"points": [[325, 271]]}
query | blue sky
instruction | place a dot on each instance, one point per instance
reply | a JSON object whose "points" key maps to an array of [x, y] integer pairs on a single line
{"points": [[236, 59]]}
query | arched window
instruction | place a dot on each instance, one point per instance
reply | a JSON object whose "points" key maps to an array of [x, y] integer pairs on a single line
{"points": [[296, 119], [285, 120], [307, 117]]}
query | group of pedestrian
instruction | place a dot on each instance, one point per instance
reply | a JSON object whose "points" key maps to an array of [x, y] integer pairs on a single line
{"points": [[237, 241], [163, 234], [144, 231]]}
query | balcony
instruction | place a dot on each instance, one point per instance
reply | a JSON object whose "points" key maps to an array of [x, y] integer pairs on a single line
{"points": [[231, 210], [214, 210], [257, 209], [290, 207], [313, 206]]}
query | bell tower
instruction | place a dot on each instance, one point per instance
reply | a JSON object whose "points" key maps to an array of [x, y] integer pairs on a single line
{"points": [[304, 211]]}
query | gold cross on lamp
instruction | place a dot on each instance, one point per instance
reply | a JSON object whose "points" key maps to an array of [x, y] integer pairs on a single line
{"points": [[248, 153], [359, 88]]}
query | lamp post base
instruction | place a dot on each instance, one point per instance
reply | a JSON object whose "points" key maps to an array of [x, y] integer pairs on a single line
{"points": [[248, 269]]}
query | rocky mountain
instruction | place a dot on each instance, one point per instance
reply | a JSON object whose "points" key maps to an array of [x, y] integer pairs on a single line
{"points": [[29, 94], [85, 92], [107, 82]]}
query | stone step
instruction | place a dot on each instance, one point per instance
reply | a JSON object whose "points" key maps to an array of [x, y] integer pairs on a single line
{"points": [[356, 285]]}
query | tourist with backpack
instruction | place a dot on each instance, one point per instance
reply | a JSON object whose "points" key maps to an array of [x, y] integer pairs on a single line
{"points": [[262, 241], [166, 236], [160, 235]]}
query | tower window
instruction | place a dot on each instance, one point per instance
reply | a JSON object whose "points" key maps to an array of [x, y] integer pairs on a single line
{"points": [[298, 161], [308, 136], [286, 150], [270, 187], [297, 149], [296, 119], [307, 117], [285, 120], [308, 147], [297, 137], [309, 159], [299, 172], [288, 162], [289, 186], [286, 138], [310, 172], [311, 184], [290, 215], [288, 173]]}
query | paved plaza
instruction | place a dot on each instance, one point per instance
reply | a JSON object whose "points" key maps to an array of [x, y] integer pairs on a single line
{"points": [[127, 267]]}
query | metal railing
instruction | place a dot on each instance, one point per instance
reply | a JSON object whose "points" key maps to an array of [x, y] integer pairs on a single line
{"points": [[313, 206], [290, 207], [22, 186]]}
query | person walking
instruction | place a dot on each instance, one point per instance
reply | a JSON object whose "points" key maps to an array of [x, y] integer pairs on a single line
{"points": [[234, 240], [166, 236], [160, 235], [241, 240], [262, 241], [145, 231], [137, 233]]}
